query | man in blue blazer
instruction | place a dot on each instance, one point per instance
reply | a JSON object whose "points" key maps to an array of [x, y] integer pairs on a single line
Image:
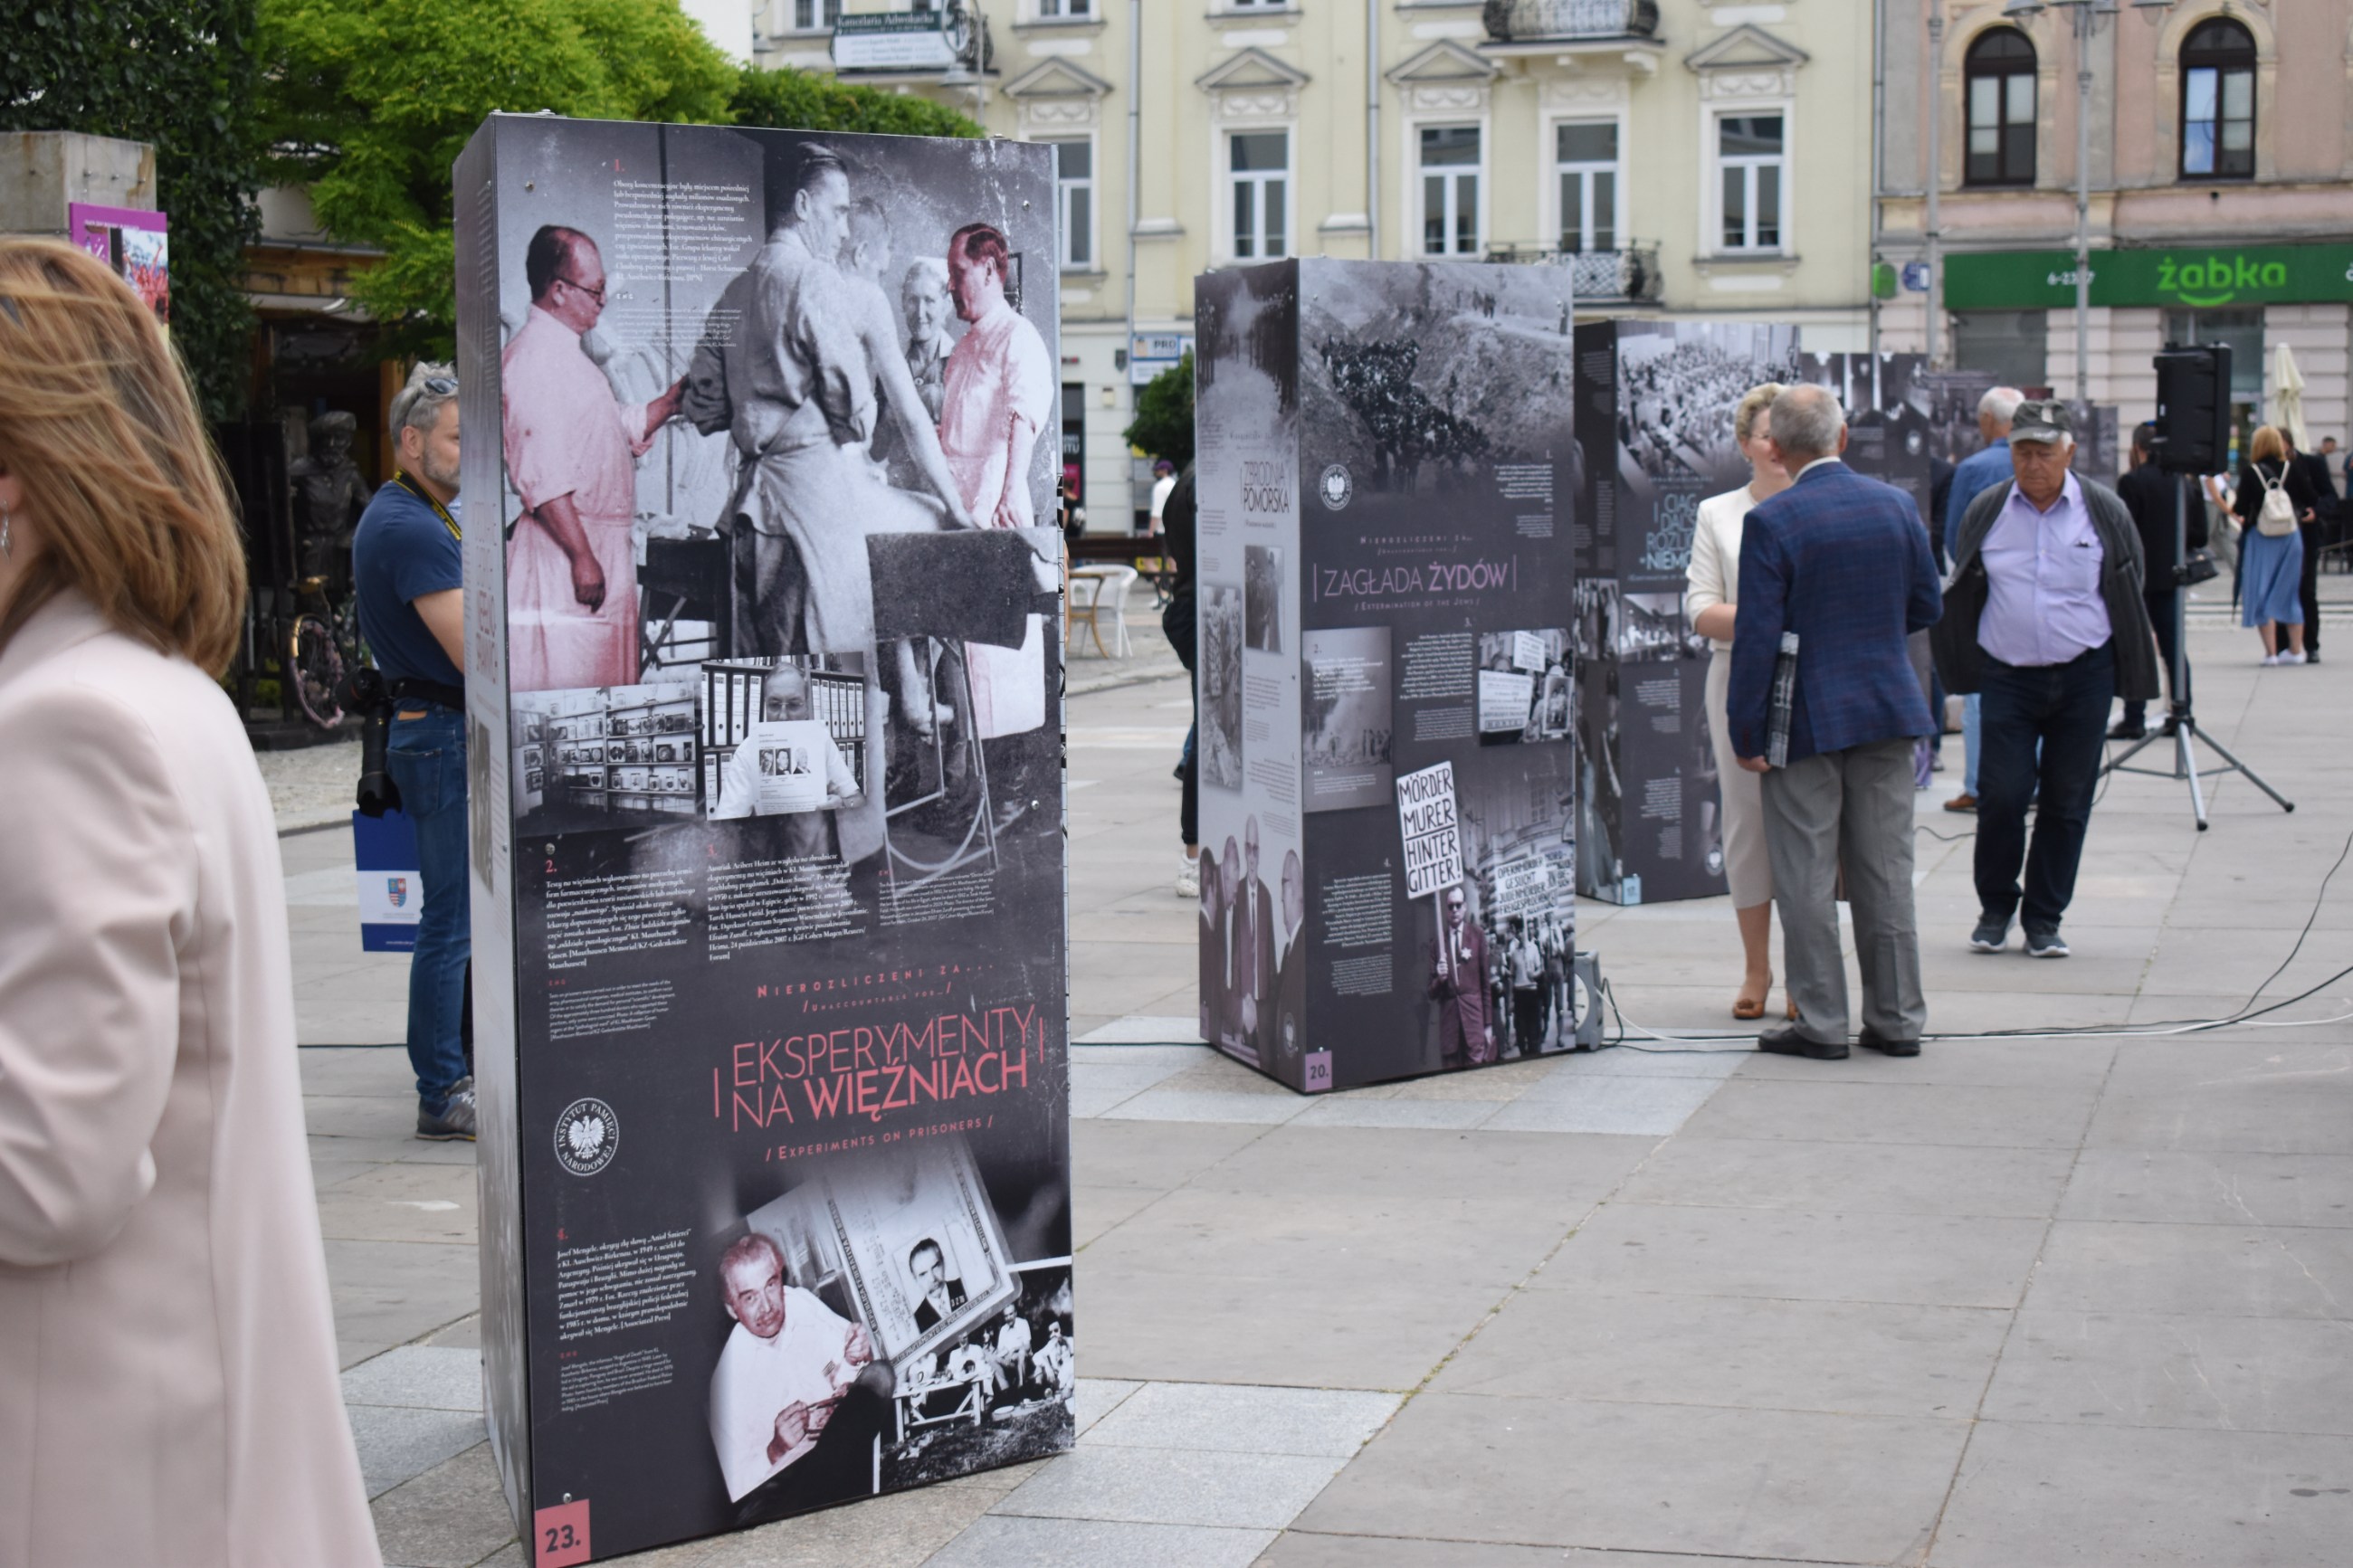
{"points": [[1843, 562]]}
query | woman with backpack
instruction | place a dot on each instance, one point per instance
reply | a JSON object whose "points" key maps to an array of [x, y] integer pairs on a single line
{"points": [[2273, 497]]}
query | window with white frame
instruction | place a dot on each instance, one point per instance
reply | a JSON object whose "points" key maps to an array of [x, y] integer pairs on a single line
{"points": [[812, 16], [1585, 153], [1449, 190], [1074, 203], [1751, 173], [1065, 10], [1259, 170]]}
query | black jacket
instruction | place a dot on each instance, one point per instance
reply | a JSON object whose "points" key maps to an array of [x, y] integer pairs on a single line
{"points": [[2148, 494], [2298, 483], [1961, 661], [1176, 521]]}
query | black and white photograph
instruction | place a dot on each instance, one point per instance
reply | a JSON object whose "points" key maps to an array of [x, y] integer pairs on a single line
{"points": [[1525, 686], [1345, 717], [785, 737], [1418, 378], [1651, 629], [881, 1321], [1262, 598], [1221, 678], [607, 756]]}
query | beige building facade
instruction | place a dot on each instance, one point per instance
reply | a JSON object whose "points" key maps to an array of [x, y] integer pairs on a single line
{"points": [[2221, 176], [1687, 160]]}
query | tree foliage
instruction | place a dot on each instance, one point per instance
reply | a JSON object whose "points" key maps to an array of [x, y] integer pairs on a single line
{"points": [[802, 101], [369, 102], [1163, 413], [180, 75]]}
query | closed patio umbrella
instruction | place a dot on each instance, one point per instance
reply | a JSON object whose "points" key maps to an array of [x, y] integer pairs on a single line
{"points": [[2287, 397]]}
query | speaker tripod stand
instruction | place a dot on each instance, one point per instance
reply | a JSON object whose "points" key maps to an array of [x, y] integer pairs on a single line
{"points": [[2180, 726]]}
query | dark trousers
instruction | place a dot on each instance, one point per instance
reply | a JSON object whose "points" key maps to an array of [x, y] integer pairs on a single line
{"points": [[839, 1467], [2160, 616], [2315, 534], [2063, 708], [1528, 1020]]}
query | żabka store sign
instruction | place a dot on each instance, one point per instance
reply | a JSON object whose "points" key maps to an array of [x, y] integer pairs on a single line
{"points": [[2198, 278]]}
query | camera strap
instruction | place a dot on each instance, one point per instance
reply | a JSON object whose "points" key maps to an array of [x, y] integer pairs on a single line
{"points": [[412, 488]]}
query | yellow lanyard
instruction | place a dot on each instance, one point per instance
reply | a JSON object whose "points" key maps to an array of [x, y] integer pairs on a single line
{"points": [[412, 488]]}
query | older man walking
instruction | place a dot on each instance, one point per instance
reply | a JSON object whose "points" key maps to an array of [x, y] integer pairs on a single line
{"points": [[2048, 623], [1979, 471], [1843, 562]]}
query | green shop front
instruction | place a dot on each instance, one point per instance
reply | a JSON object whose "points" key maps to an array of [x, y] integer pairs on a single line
{"points": [[2006, 307]]}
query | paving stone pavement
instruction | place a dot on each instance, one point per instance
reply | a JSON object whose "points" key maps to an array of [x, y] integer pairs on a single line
{"points": [[2023, 1301]]}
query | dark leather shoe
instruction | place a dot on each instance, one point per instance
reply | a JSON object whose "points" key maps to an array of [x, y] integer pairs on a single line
{"points": [[1789, 1042], [2128, 733], [1871, 1042]]}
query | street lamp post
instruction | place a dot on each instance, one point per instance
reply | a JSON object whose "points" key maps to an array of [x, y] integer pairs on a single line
{"points": [[2086, 15]]}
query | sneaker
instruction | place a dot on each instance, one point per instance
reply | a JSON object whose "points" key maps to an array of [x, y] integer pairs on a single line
{"points": [[2293, 659], [1189, 880], [1993, 934], [2312, 656], [454, 1121], [2268, 661], [1962, 802], [2045, 944], [1935, 761]]}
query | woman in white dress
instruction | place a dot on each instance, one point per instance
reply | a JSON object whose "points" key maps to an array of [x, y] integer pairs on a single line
{"points": [[1711, 593]]}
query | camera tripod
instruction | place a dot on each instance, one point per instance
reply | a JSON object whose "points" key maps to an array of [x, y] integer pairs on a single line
{"points": [[2180, 726]]}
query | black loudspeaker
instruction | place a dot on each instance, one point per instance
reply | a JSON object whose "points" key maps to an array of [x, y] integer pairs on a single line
{"points": [[2194, 409]]}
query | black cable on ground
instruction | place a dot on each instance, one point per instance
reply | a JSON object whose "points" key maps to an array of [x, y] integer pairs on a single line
{"points": [[1699, 1044]]}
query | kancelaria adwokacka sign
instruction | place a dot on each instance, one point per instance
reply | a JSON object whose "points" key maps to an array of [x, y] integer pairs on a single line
{"points": [[765, 757]]}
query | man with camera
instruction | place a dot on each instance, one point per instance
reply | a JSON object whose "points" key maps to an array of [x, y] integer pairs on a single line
{"points": [[409, 579]]}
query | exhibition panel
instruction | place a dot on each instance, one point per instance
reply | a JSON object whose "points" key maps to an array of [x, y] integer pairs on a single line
{"points": [[1387, 477], [764, 676]]}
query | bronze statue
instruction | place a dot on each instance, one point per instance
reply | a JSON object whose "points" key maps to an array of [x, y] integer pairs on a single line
{"points": [[328, 495]]}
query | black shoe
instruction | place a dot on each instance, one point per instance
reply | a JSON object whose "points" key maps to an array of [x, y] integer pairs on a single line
{"points": [[1992, 934], [2045, 944], [2130, 731], [2311, 654], [453, 1121], [1871, 1042], [1787, 1042], [2172, 728]]}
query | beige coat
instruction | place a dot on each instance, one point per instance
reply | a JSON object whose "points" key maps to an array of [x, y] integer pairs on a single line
{"points": [[168, 1388]]}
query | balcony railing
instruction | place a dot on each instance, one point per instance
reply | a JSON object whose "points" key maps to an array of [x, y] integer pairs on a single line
{"points": [[1629, 275], [1569, 21]]}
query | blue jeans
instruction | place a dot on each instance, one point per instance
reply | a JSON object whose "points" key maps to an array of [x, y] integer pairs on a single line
{"points": [[2063, 708], [426, 759]]}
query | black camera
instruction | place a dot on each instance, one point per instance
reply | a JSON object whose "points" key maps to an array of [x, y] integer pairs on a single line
{"points": [[364, 692]]}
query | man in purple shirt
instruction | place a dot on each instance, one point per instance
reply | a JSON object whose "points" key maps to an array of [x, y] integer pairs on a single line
{"points": [[2045, 619]]}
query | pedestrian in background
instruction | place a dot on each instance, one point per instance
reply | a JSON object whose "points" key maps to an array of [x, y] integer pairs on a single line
{"points": [[1842, 562], [2047, 622], [168, 1385], [2270, 545], [1163, 480], [2316, 528], [1176, 623], [409, 579], [1976, 473], [2151, 495], [1711, 600]]}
